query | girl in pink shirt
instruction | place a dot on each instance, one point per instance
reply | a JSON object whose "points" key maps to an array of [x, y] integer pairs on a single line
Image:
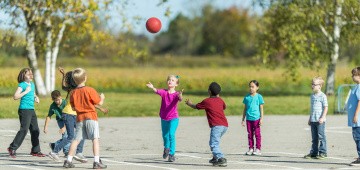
{"points": [[169, 114]]}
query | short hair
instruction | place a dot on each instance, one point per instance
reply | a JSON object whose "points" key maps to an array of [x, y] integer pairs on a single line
{"points": [[79, 75], [55, 94], [175, 76], [356, 71], [21, 76], [214, 88], [319, 79], [255, 82], [69, 82]]}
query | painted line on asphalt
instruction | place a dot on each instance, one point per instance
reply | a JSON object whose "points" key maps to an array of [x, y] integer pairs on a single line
{"points": [[135, 164]]}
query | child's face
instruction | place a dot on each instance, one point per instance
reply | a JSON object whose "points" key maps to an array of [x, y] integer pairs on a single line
{"points": [[356, 78], [315, 86], [253, 88], [29, 76], [172, 82], [58, 101]]}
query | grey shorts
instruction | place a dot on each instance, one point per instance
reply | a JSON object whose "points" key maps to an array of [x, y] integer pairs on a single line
{"points": [[87, 129]]}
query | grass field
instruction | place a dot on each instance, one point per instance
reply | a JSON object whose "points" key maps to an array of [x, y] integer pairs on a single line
{"points": [[127, 95]]}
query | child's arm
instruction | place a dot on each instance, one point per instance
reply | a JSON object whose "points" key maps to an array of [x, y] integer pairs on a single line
{"points": [[243, 118], [104, 110], [18, 94], [261, 114], [323, 116], [151, 86], [355, 119], [37, 99], [180, 94], [189, 103], [62, 130], [102, 98], [63, 81], [47, 120]]}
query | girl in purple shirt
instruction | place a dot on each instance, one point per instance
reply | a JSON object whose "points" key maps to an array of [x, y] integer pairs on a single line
{"points": [[169, 114]]}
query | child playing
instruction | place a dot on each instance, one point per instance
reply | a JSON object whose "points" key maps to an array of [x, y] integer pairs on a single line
{"points": [[318, 111], [56, 108], [353, 108], [214, 107], [28, 119], [169, 114], [254, 113], [83, 100]]}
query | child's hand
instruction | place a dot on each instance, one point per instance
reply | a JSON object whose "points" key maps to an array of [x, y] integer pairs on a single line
{"points": [[321, 120], [37, 100], [260, 122], [102, 96], [151, 86], [61, 70], [355, 119], [28, 89], [62, 130], [45, 130], [104, 110], [188, 102], [243, 123]]}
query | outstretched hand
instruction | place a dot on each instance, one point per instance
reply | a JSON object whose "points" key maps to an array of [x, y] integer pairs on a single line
{"points": [[61, 70], [104, 110], [151, 86]]}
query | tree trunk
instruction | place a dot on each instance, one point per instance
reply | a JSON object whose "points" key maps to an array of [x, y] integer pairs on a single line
{"points": [[48, 55], [32, 59], [55, 52], [330, 83]]}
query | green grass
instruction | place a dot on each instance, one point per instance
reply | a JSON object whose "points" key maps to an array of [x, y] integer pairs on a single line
{"points": [[148, 104]]}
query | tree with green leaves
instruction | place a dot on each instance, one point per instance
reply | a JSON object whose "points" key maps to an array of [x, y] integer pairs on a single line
{"points": [[307, 33]]}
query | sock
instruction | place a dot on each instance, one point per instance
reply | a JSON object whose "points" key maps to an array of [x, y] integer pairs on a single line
{"points": [[97, 158], [69, 158]]}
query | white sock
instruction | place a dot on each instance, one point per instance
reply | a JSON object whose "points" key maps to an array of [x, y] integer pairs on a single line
{"points": [[69, 158], [97, 158]]}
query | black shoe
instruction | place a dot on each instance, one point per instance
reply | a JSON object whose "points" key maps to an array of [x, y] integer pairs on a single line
{"points": [[99, 165], [220, 162], [12, 153], [171, 158], [166, 153], [310, 156], [68, 164], [213, 160], [52, 146]]}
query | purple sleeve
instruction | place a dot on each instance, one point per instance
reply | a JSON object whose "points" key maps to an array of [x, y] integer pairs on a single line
{"points": [[160, 92]]}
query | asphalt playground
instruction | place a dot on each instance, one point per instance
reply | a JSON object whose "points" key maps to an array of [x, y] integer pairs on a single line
{"points": [[136, 143]]}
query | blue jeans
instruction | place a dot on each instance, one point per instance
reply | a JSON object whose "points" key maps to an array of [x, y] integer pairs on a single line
{"points": [[318, 136], [215, 135], [62, 144], [168, 128], [356, 136], [70, 123]]}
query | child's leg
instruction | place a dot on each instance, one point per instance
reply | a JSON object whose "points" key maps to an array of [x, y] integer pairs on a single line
{"points": [[322, 139], [250, 130], [72, 149], [356, 137], [215, 135], [61, 144], [75, 142], [315, 138], [25, 119], [165, 128], [34, 132], [173, 126], [257, 134], [96, 148]]}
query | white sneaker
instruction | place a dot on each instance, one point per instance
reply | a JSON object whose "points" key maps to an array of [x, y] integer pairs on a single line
{"points": [[250, 152], [257, 152], [80, 157], [54, 157]]}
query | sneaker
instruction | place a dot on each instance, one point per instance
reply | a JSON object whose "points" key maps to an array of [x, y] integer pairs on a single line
{"points": [[250, 152], [322, 156], [310, 156], [54, 157], [213, 160], [171, 158], [80, 157], [356, 162], [99, 165], [257, 152], [220, 162], [68, 164], [52, 146], [38, 154], [12, 153], [166, 153]]}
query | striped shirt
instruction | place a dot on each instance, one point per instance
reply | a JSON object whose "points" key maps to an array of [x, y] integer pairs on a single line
{"points": [[318, 103]]}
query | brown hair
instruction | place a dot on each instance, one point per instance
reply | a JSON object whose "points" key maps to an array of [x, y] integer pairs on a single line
{"points": [[356, 71], [55, 94], [21, 76]]}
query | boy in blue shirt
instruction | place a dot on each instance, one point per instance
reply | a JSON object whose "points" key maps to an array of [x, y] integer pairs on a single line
{"points": [[353, 109]]}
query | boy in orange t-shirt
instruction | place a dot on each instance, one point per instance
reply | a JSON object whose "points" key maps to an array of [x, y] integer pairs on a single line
{"points": [[83, 100]]}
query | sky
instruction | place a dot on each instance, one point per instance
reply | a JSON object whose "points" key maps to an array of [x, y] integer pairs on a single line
{"points": [[145, 9]]}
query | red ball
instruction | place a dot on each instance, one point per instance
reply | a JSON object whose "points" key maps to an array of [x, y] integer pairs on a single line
{"points": [[153, 25]]}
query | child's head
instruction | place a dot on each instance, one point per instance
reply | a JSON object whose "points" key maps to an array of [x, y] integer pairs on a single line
{"points": [[79, 76], [56, 97], [356, 74], [317, 83], [254, 86], [172, 81], [69, 81], [25, 75], [214, 89]]}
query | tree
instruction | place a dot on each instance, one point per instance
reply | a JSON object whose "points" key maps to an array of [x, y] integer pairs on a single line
{"points": [[45, 23], [307, 33]]}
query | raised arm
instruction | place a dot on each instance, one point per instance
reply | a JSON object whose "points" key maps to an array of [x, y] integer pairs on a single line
{"points": [[189, 103], [151, 86]]}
